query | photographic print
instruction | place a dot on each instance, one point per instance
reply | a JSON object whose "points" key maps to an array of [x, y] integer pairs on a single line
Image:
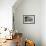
{"points": [[29, 19]]}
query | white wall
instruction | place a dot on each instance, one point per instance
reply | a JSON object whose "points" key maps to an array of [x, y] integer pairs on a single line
{"points": [[43, 22], [40, 24], [6, 13], [31, 31]]}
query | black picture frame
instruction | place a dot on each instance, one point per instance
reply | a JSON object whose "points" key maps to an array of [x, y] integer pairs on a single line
{"points": [[28, 19]]}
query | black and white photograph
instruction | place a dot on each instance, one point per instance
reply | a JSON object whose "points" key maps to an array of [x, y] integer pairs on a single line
{"points": [[29, 19]]}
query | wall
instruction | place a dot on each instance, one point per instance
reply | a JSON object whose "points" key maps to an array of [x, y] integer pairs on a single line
{"points": [[43, 22], [6, 13], [30, 31]]}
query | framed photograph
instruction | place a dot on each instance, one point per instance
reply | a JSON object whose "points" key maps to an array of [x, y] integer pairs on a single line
{"points": [[28, 19]]}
